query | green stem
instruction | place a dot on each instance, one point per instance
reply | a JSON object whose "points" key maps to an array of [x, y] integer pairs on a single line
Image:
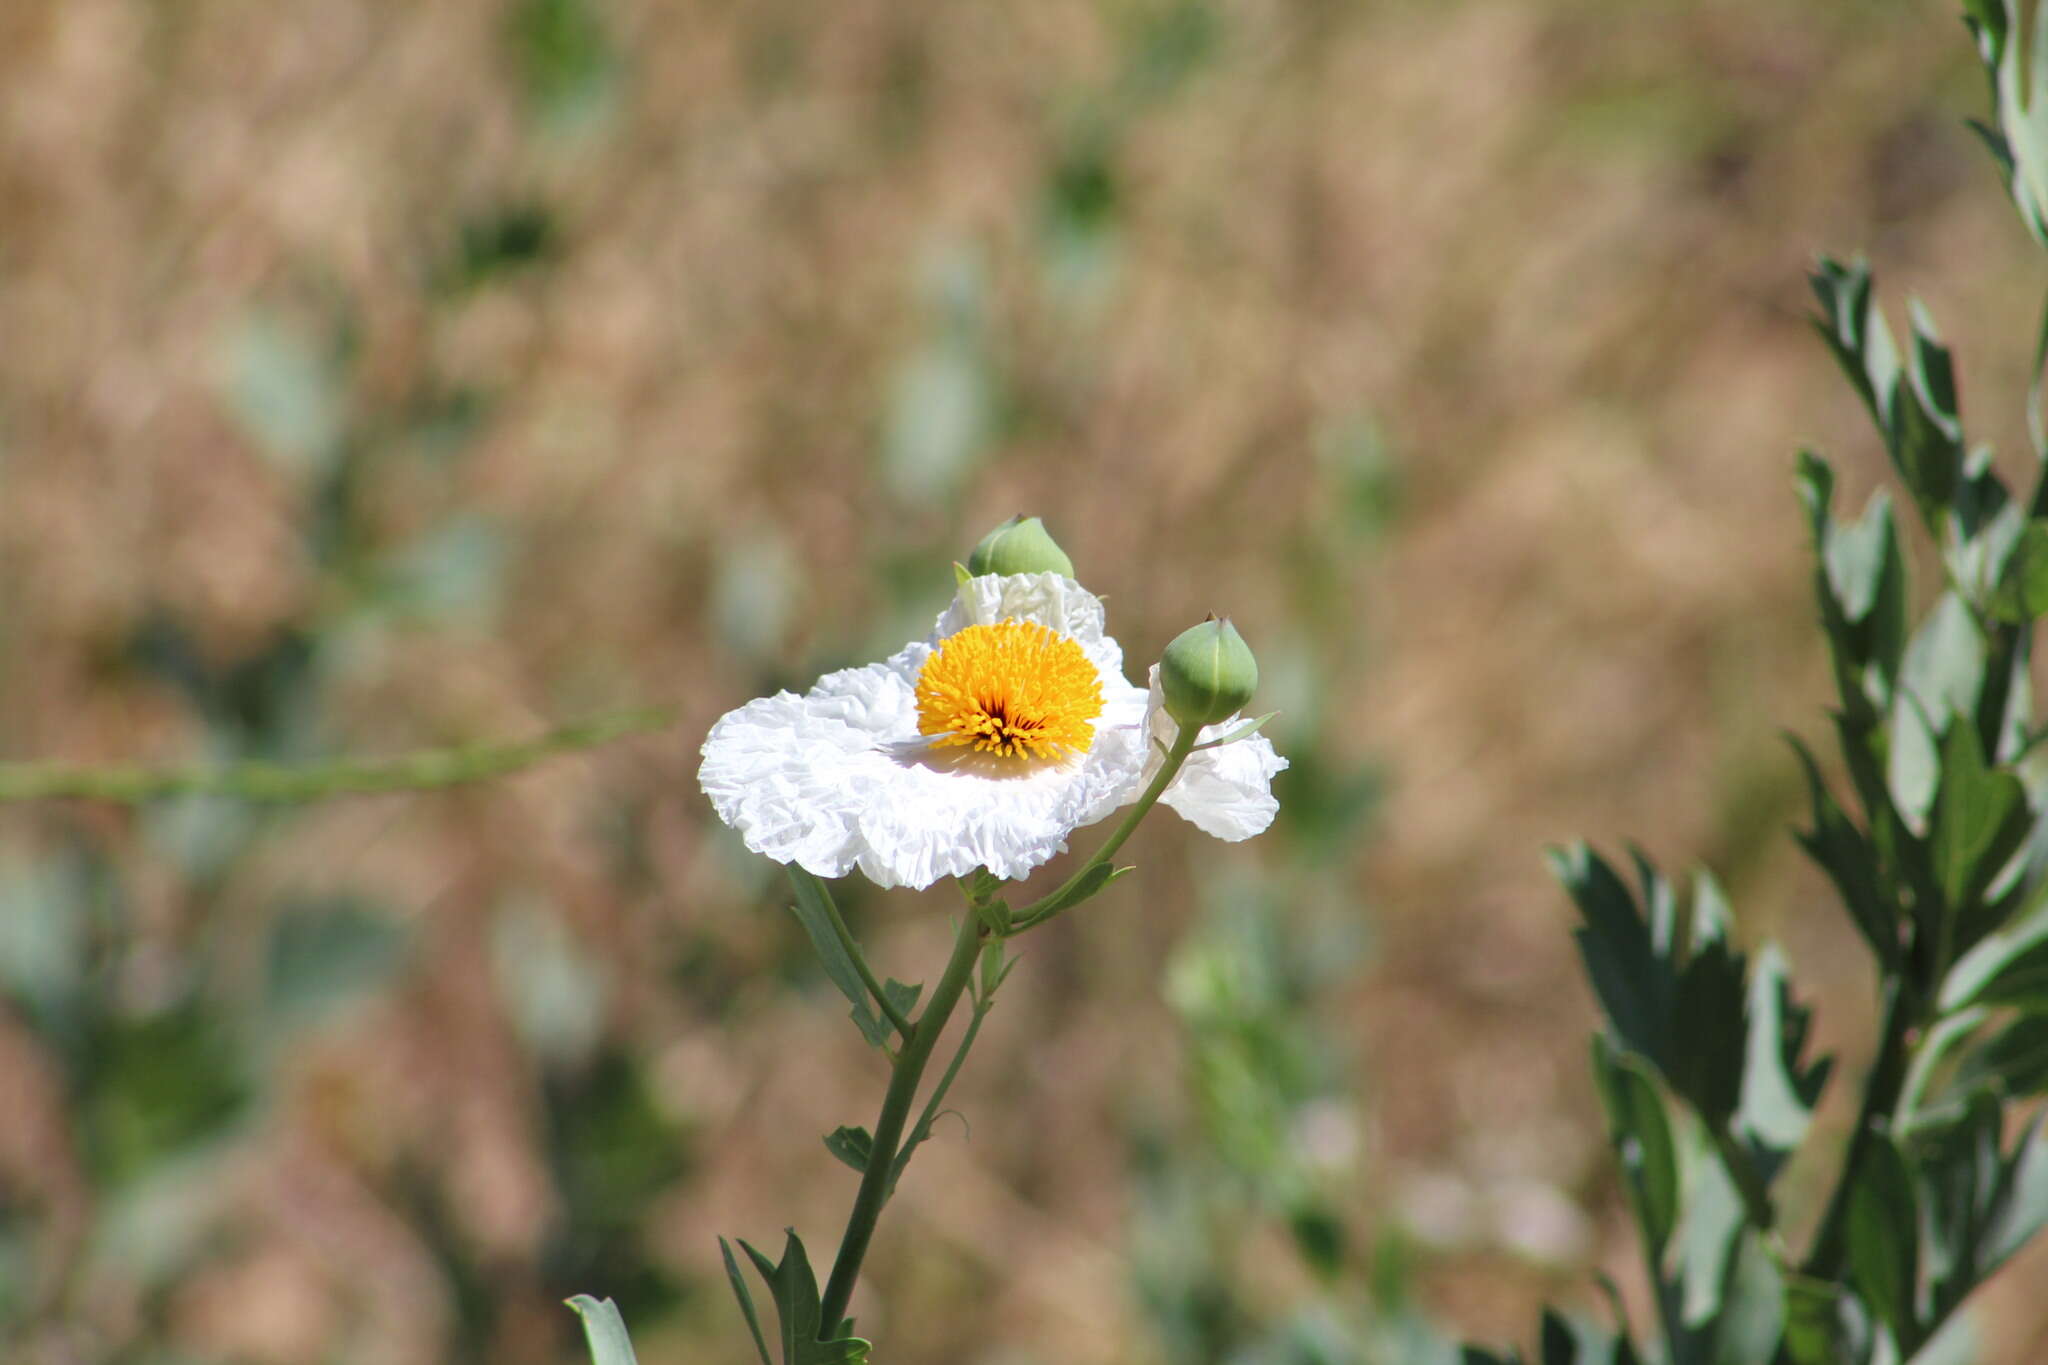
{"points": [[279, 782], [902, 1093], [922, 1129], [1880, 1096], [1044, 909], [860, 966]]}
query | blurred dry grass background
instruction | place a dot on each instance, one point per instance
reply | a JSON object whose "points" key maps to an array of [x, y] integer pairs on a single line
{"points": [[375, 375]]}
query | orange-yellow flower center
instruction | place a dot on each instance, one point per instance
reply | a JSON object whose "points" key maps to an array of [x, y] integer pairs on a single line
{"points": [[1016, 689]]}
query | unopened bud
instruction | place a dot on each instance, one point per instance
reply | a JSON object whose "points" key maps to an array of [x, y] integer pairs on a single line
{"points": [[1207, 673], [1019, 545]]}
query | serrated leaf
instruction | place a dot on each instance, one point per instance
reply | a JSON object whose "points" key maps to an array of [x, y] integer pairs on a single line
{"points": [[603, 1330], [1634, 987], [746, 1298], [1778, 1093], [1851, 862], [852, 1145]]}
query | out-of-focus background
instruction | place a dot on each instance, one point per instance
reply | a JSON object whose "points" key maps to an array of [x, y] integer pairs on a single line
{"points": [[378, 375]]}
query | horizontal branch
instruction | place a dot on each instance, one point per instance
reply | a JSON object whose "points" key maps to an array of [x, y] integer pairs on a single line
{"points": [[421, 770]]}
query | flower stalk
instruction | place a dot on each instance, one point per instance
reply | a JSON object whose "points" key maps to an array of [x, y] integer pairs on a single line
{"points": [[904, 1077], [1039, 911]]}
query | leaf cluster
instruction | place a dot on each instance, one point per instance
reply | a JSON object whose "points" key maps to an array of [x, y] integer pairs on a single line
{"points": [[1939, 857]]}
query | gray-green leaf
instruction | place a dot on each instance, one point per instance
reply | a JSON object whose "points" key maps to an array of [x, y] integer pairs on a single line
{"points": [[604, 1330]]}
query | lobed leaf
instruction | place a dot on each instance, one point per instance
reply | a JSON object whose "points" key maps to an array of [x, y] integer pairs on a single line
{"points": [[1636, 989], [1779, 1094], [1851, 861], [798, 1310]]}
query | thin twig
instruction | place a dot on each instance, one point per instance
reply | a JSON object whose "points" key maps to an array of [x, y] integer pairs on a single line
{"points": [[422, 770]]}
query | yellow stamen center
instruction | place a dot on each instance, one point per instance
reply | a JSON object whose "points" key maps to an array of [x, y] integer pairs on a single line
{"points": [[1016, 689]]}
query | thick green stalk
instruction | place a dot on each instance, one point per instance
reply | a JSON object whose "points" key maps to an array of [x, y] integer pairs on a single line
{"points": [[888, 1135]]}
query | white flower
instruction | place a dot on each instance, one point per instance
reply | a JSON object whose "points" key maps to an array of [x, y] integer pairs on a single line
{"points": [[982, 747]]}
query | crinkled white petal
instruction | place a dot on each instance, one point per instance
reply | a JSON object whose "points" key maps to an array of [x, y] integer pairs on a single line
{"points": [[1226, 791], [839, 778]]}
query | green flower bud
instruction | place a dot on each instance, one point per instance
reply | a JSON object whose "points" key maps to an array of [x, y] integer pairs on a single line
{"points": [[1207, 673], [1019, 545]]}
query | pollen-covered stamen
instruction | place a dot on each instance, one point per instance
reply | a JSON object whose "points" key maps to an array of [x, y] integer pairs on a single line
{"points": [[1016, 689]]}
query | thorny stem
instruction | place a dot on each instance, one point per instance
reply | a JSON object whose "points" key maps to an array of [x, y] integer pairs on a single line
{"points": [[902, 1093]]}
